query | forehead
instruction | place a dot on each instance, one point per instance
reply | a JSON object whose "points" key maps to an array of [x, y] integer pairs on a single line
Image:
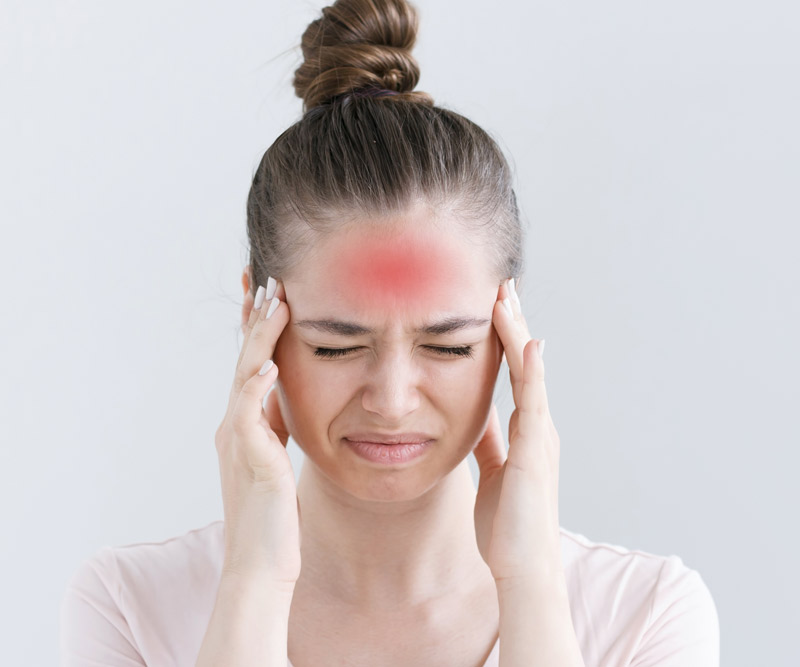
{"points": [[404, 266]]}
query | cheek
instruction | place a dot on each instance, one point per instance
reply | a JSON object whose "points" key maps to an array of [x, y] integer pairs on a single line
{"points": [[307, 401], [296, 373]]}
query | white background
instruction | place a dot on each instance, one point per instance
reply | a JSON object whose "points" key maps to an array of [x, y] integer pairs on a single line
{"points": [[656, 152]]}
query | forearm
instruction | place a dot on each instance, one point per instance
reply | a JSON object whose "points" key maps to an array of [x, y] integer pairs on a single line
{"points": [[249, 626], [536, 624]]}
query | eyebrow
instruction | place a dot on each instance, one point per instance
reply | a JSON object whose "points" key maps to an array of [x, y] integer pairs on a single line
{"points": [[341, 328]]}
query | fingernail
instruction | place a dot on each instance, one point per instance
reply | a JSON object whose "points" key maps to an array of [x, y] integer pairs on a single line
{"points": [[267, 365], [507, 304], [272, 306], [541, 348], [272, 284], [259, 297]]}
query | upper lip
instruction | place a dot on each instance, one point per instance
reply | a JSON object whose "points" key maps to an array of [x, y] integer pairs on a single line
{"points": [[390, 438]]}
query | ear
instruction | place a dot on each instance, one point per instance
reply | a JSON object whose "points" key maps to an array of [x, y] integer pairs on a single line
{"points": [[490, 452], [275, 416], [246, 278], [249, 299]]}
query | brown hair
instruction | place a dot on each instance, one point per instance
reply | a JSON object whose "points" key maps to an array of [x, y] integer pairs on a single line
{"points": [[356, 156]]}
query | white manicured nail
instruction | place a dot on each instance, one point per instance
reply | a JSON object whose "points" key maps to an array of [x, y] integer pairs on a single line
{"points": [[272, 306], [267, 365], [271, 285], [507, 304], [259, 297]]}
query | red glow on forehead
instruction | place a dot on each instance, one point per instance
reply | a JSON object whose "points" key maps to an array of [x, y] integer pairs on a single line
{"points": [[394, 271]]}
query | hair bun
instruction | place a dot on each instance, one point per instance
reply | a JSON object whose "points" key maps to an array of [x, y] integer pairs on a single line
{"points": [[359, 44]]}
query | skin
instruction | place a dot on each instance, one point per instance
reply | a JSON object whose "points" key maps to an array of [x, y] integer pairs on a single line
{"points": [[376, 539]]}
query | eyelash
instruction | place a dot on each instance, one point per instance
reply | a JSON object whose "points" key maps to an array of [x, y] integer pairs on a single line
{"points": [[332, 353]]}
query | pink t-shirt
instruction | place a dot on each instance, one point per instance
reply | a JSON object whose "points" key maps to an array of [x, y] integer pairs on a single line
{"points": [[150, 604]]}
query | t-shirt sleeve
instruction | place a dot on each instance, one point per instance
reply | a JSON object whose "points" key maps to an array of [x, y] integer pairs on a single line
{"points": [[683, 630], [94, 631]]}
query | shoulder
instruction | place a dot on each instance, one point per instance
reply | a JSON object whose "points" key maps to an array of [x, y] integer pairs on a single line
{"points": [[133, 573], [144, 600], [632, 606], [191, 558]]}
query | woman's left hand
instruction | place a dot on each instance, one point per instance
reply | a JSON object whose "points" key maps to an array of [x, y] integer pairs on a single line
{"points": [[516, 507]]}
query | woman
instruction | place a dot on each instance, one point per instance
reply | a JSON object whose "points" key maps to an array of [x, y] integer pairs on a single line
{"points": [[379, 303]]}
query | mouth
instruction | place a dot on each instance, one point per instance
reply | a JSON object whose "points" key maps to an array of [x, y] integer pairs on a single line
{"points": [[388, 454], [390, 439]]}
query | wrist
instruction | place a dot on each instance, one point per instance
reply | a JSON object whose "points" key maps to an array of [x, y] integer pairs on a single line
{"points": [[256, 583], [542, 583]]}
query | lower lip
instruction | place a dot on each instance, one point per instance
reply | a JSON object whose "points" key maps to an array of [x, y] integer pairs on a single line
{"points": [[389, 454]]}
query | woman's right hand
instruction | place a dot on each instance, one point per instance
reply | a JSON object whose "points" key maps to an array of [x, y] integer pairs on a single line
{"points": [[259, 495]]}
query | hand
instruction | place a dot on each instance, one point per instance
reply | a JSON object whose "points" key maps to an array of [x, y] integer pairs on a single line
{"points": [[262, 513], [516, 507]]}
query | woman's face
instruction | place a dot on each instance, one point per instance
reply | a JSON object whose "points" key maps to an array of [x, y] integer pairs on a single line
{"points": [[393, 380]]}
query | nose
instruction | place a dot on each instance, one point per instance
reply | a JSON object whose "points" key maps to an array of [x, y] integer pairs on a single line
{"points": [[392, 391]]}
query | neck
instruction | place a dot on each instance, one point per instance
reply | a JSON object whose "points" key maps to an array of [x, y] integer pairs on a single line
{"points": [[383, 555]]}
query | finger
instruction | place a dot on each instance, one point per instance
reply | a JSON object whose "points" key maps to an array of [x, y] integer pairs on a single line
{"points": [[257, 300], [513, 333], [272, 319], [272, 316], [263, 295], [247, 418], [508, 291], [533, 406]]}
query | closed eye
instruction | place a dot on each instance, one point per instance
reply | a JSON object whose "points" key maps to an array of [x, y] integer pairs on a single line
{"points": [[463, 351]]}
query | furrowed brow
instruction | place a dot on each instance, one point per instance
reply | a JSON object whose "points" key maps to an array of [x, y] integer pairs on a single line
{"points": [[342, 328]]}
